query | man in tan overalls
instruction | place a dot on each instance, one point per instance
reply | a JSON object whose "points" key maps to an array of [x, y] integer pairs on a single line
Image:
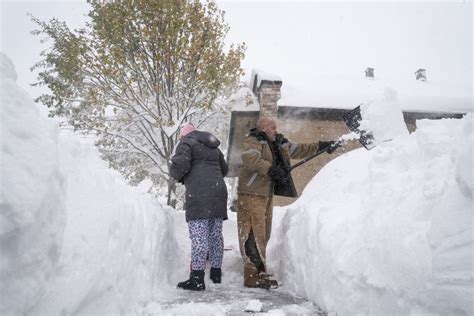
{"points": [[264, 172]]}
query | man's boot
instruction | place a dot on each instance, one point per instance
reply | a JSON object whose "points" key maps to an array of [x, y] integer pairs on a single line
{"points": [[215, 275], [252, 278], [195, 282], [266, 278]]}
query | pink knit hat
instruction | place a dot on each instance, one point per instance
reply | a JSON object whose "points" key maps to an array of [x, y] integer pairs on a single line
{"points": [[186, 128]]}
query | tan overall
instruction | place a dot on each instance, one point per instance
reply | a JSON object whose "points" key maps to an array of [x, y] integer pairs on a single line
{"points": [[255, 199]]}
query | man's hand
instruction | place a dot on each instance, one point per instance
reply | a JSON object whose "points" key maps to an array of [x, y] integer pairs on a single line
{"points": [[280, 139], [277, 172], [328, 146]]}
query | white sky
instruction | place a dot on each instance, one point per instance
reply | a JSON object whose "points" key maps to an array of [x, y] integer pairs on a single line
{"points": [[292, 39], [300, 41]]}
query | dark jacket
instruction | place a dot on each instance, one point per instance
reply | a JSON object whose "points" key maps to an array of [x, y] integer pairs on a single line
{"points": [[201, 166], [259, 154]]}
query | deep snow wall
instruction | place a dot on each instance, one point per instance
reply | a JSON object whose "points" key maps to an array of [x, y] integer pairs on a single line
{"points": [[119, 242], [32, 208], [75, 238], [387, 231]]}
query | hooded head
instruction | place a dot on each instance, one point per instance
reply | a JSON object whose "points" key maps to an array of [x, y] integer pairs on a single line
{"points": [[186, 128]]}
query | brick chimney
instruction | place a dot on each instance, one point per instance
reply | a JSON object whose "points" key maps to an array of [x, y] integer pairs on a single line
{"points": [[267, 89]]}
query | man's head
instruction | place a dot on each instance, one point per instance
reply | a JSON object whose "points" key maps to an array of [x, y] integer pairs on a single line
{"points": [[268, 126]]}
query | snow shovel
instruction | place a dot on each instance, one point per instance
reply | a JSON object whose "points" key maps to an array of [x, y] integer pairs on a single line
{"points": [[316, 154], [352, 120]]}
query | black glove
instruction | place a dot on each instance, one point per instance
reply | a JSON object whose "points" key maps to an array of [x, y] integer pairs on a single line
{"points": [[277, 172], [328, 146], [280, 139]]}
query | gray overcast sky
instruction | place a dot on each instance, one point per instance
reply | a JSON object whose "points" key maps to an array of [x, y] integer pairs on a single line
{"points": [[299, 41], [293, 40]]}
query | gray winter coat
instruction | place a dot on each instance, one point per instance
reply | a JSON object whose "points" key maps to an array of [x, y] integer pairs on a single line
{"points": [[201, 166]]}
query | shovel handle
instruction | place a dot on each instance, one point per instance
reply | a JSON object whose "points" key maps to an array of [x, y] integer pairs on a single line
{"points": [[316, 154]]}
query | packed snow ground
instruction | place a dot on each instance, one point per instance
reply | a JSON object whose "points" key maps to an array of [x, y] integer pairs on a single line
{"points": [[381, 232]]}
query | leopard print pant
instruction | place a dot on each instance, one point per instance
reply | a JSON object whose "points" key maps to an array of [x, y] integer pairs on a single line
{"points": [[206, 239]]}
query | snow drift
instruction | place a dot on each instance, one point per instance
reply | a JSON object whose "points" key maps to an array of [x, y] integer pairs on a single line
{"points": [[387, 231], [32, 203], [118, 241], [74, 237]]}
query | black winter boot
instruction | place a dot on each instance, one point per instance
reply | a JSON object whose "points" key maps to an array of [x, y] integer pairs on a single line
{"points": [[215, 275], [265, 278], [195, 282]]}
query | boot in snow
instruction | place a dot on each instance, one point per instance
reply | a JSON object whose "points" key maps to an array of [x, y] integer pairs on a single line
{"points": [[215, 275], [252, 277], [195, 282], [263, 277]]}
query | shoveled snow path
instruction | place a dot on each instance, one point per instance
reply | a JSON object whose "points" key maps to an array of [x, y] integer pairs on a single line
{"points": [[230, 297]]}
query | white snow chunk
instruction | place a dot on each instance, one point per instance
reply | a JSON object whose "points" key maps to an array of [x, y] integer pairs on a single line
{"points": [[254, 306]]}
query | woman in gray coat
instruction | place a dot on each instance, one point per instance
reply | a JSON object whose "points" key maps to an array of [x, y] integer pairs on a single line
{"points": [[201, 167]]}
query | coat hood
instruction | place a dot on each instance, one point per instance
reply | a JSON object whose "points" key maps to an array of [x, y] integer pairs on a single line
{"points": [[205, 138]]}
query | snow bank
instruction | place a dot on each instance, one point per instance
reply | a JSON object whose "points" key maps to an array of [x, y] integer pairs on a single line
{"points": [[32, 204], [118, 244], [387, 231], [75, 238]]}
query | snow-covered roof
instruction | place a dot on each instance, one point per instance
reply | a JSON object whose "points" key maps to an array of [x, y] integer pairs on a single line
{"points": [[347, 92], [260, 75]]}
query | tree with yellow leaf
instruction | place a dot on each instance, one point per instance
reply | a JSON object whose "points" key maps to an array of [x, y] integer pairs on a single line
{"points": [[134, 73]]}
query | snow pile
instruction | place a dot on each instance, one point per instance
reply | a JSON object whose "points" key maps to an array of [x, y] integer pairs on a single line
{"points": [[387, 231], [32, 199], [75, 238], [382, 117], [118, 245], [254, 306]]}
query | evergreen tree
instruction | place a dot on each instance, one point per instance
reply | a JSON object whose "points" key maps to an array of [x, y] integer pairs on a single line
{"points": [[134, 73]]}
